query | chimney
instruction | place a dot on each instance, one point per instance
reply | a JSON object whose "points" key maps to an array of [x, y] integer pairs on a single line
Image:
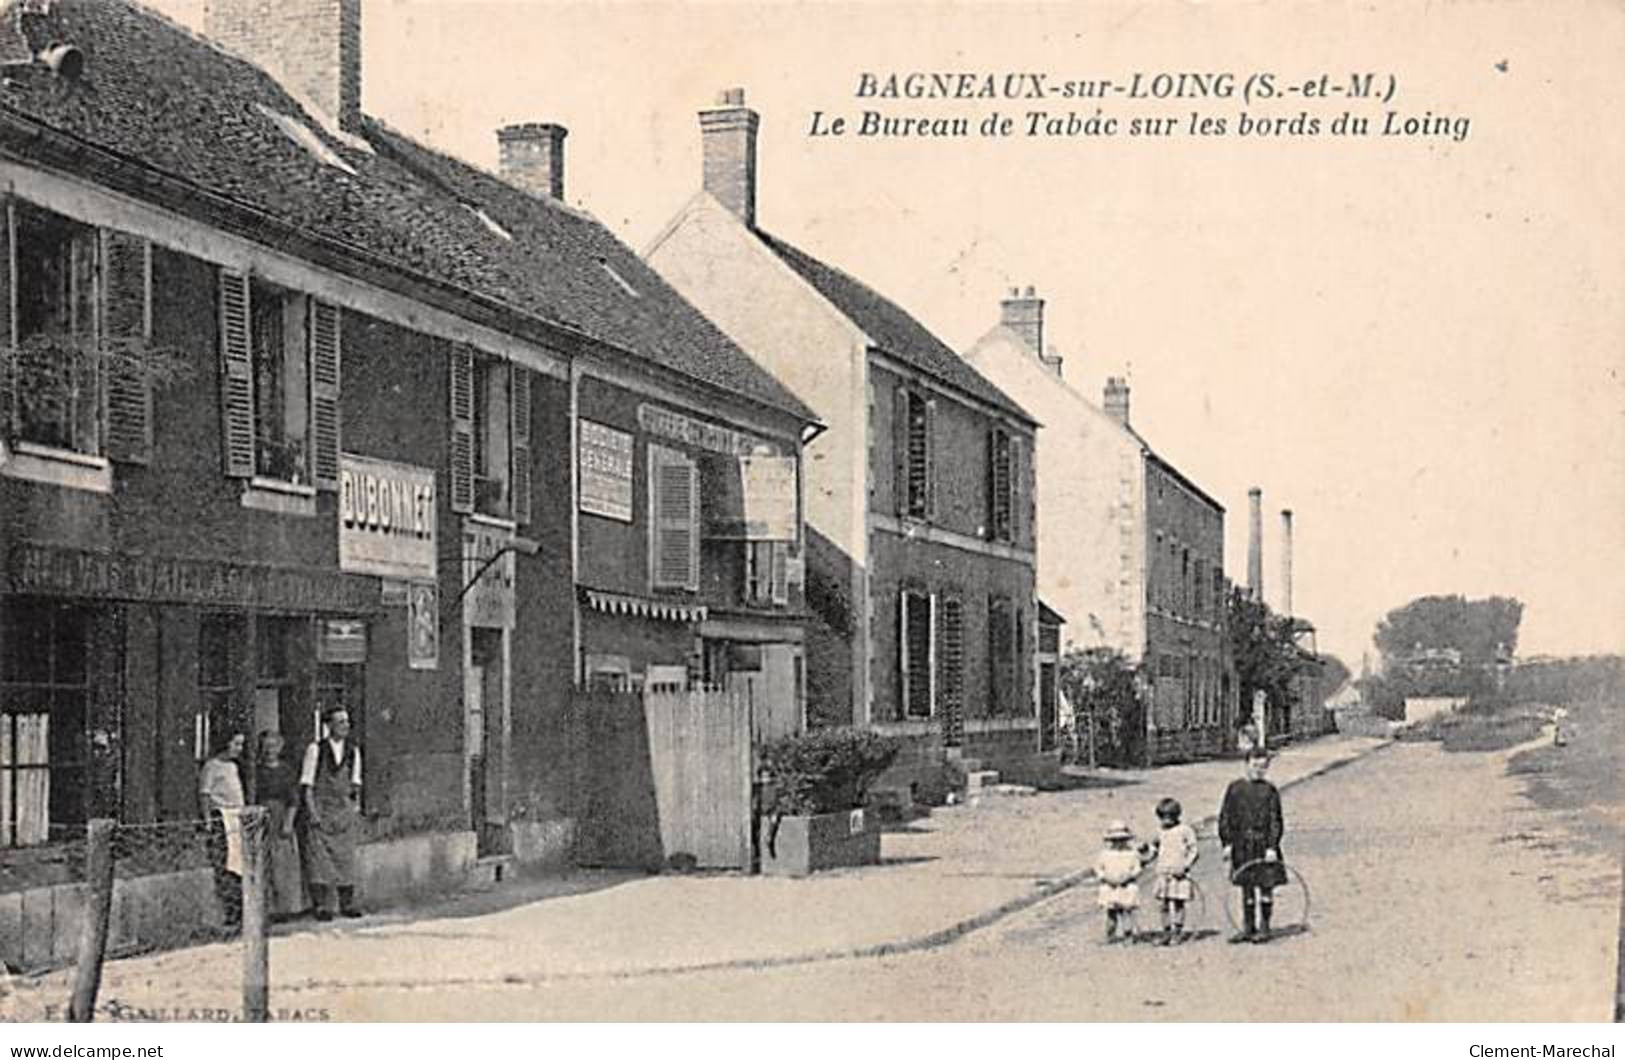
{"points": [[312, 46], [1116, 401], [1255, 543], [532, 158], [728, 136], [1286, 562], [1023, 313]]}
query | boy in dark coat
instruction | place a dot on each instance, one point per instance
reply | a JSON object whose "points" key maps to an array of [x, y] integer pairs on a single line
{"points": [[1250, 828]]}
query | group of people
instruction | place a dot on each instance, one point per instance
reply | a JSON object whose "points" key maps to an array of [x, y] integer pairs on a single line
{"points": [[1250, 831], [313, 817]]}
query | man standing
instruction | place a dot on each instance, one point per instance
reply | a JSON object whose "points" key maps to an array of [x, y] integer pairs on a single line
{"points": [[330, 787], [1250, 827]]}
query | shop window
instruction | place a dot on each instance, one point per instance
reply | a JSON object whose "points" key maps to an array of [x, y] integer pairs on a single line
{"points": [[280, 364], [44, 703], [490, 439], [221, 641], [674, 520], [914, 653], [767, 573], [914, 453]]}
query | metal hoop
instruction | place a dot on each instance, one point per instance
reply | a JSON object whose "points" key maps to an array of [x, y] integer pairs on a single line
{"points": [[1303, 887]]}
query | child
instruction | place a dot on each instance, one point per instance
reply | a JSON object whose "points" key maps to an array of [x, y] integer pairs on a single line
{"points": [[1175, 852], [1250, 827], [1117, 867]]}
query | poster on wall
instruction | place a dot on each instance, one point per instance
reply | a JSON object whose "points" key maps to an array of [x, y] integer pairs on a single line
{"points": [[750, 498], [422, 626], [606, 471], [386, 515]]}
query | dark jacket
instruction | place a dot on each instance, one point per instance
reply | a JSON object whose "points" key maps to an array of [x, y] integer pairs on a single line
{"points": [[1250, 824]]}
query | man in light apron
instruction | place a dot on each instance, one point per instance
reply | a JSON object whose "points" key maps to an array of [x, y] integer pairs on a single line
{"points": [[330, 784]]}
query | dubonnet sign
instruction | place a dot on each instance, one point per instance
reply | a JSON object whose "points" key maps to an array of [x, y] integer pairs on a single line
{"points": [[386, 518]]}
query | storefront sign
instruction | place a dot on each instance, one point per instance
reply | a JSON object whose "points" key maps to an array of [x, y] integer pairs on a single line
{"points": [[386, 518], [606, 471], [53, 571], [489, 601], [752, 498], [664, 423], [422, 626], [343, 641]]}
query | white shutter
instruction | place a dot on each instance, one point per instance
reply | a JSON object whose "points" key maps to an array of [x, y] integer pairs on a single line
{"points": [[325, 367], [781, 572], [236, 375]]}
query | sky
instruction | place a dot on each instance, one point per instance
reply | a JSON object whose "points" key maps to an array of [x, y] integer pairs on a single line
{"points": [[1415, 343]]}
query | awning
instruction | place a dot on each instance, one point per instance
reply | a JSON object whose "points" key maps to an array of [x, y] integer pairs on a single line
{"points": [[641, 606]]}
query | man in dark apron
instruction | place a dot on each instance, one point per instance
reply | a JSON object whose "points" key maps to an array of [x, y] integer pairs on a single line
{"points": [[330, 784], [1250, 827]]}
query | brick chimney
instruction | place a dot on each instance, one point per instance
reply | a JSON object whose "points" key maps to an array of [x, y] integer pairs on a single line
{"points": [[1286, 562], [312, 46], [532, 158], [1023, 313], [728, 137], [1116, 399], [1255, 543]]}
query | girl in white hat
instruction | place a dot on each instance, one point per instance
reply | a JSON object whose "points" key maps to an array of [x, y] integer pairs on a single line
{"points": [[1116, 868]]}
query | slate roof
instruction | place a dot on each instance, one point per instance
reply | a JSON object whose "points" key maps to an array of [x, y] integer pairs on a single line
{"points": [[890, 327], [161, 97]]}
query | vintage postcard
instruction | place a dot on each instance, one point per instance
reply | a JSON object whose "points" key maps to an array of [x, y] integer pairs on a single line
{"points": [[833, 512]]}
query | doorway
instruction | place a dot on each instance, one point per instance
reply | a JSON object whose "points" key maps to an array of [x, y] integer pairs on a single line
{"points": [[486, 727]]}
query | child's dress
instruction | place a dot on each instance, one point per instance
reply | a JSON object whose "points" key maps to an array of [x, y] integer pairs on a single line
{"points": [[1176, 853], [1116, 870]]}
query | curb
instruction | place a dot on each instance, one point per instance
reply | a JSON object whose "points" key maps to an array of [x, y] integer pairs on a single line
{"points": [[1045, 890]]}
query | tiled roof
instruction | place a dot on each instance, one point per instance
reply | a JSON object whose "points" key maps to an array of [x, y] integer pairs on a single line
{"points": [[890, 327], [169, 101]]}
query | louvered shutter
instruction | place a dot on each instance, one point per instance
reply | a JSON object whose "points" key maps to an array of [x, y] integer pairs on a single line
{"points": [[8, 338], [461, 449], [125, 326], [781, 572], [519, 424], [1020, 491], [674, 526], [902, 655], [900, 452], [236, 375], [326, 367], [928, 446]]}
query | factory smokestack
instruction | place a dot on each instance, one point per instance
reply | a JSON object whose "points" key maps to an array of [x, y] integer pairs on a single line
{"points": [[1255, 543], [1286, 562]]}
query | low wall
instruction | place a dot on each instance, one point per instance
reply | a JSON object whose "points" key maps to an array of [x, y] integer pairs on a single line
{"points": [[544, 846]]}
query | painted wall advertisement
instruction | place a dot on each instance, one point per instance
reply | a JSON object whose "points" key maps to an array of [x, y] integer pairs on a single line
{"points": [[753, 498], [489, 601], [386, 518], [606, 471]]}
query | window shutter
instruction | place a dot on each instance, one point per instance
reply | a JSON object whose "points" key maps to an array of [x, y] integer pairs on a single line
{"points": [[519, 425], [126, 324], [674, 525], [931, 458], [902, 655], [326, 361], [236, 375], [461, 451], [8, 339], [1020, 493], [900, 452], [781, 573]]}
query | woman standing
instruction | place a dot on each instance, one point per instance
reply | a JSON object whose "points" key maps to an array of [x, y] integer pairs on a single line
{"points": [[220, 802], [279, 794]]}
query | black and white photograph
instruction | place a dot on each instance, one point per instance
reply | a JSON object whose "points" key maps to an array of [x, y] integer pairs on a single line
{"points": [[864, 512]]}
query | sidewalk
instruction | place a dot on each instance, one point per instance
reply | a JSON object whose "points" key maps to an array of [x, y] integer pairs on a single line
{"points": [[942, 876]]}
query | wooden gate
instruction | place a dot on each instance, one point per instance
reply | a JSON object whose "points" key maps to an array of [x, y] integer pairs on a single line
{"points": [[664, 773]]}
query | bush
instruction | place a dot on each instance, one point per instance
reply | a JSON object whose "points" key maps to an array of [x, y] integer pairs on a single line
{"points": [[826, 770]]}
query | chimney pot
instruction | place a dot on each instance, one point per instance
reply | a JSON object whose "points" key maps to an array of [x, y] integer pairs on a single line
{"points": [[728, 140], [531, 157]]}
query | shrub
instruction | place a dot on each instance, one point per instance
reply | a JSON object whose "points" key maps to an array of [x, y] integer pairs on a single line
{"points": [[826, 770]]}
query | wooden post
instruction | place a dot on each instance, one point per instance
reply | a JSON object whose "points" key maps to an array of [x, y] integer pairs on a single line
{"points": [[87, 979], [256, 843]]}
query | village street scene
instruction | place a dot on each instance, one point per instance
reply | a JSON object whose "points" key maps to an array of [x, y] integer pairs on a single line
{"points": [[431, 593]]}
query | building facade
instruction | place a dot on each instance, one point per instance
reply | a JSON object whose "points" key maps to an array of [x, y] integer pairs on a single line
{"points": [[919, 495], [289, 411], [1129, 549]]}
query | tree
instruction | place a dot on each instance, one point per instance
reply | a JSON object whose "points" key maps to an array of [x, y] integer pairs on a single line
{"points": [[1482, 631], [1109, 715], [1264, 648]]}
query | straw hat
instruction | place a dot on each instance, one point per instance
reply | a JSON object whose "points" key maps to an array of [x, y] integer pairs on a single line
{"points": [[1118, 830]]}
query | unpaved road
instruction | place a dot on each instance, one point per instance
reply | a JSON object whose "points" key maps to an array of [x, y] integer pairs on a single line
{"points": [[1440, 892]]}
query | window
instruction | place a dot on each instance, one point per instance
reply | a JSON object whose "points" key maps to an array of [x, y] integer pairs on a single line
{"points": [[1185, 581], [914, 653], [914, 450], [280, 366], [221, 641], [44, 704], [1001, 655], [767, 573], [1002, 489], [490, 436], [674, 520]]}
